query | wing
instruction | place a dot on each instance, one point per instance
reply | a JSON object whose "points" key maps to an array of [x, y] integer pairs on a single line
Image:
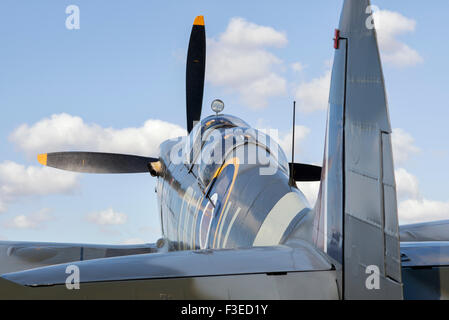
{"points": [[278, 272], [425, 260], [426, 231], [425, 270], [18, 256]]}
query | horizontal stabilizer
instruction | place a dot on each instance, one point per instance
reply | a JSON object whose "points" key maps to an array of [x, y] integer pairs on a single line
{"points": [[221, 274], [20, 255], [95, 162]]}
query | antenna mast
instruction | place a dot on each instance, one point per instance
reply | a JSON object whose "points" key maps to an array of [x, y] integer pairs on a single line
{"points": [[292, 165]]}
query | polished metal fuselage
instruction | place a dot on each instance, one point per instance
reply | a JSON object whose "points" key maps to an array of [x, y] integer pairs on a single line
{"points": [[230, 209]]}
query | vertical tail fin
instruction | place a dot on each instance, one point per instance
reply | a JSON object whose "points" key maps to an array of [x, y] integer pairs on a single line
{"points": [[356, 221]]}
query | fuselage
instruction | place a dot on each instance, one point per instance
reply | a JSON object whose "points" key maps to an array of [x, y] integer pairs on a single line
{"points": [[226, 185]]}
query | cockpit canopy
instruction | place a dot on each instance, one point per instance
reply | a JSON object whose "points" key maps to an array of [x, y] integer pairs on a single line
{"points": [[213, 139], [202, 129]]}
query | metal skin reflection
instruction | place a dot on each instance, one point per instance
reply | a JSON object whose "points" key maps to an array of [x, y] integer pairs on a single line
{"points": [[228, 211], [286, 250]]}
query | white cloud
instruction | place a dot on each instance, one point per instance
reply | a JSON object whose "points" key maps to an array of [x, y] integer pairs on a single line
{"points": [[239, 62], [107, 217], [63, 132], [32, 221], [314, 95], [390, 25], [297, 66], [285, 140], [403, 146], [21, 222], [243, 33], [406, 184], [412, 207], [256, 93], [17, 181], [422, 210]]}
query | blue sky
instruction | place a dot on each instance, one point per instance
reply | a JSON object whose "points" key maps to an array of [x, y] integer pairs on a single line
{"points": [[126, 65]]}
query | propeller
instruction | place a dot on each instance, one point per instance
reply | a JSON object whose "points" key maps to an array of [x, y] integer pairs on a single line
{"points": [[196, 66], [305, 172], [96, 162]]}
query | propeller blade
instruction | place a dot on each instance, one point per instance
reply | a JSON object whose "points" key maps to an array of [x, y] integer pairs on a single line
{"points": [[305, 172], [196, 65], [96, 162]]}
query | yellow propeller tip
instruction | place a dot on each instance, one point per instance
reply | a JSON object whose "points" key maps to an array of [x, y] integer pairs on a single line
{"points": [[42, 158], [199, 21]]}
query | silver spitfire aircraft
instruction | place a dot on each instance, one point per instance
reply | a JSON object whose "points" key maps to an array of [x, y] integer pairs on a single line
{"points": [[234, 223]]}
